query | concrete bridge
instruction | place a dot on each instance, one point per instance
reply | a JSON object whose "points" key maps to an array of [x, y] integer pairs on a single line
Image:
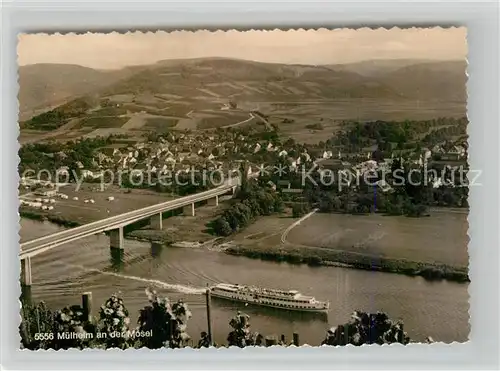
{"points": [[114, 225]]}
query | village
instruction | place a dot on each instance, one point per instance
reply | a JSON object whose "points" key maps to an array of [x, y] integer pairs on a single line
{"points": [[142, 164]]}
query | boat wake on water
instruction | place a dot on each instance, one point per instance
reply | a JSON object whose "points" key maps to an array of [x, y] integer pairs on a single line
{"points": [[184, 289]]}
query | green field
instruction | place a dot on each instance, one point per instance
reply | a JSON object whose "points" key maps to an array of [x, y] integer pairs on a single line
{"points": [[109, 111], [160, 124], [103, 122], [217, 122], [441, 238]]}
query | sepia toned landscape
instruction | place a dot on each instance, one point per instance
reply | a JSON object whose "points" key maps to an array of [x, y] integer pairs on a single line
{"points": [[243, 188], [197, 95]]}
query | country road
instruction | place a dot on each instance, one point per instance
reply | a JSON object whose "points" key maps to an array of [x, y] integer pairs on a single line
{"points": [[240, 123], [264, 120], [294, 224]]}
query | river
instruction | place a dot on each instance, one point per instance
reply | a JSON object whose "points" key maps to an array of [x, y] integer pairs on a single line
{"points": [[61, 275]]}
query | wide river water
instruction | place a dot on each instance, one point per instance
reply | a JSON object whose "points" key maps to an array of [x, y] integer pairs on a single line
{"points": [[60, 276]]}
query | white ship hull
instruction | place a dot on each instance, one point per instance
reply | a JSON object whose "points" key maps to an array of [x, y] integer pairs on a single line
{"points": [[287, 300]]}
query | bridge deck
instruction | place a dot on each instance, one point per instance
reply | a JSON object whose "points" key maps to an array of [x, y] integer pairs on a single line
{"points": [[39, 245]]}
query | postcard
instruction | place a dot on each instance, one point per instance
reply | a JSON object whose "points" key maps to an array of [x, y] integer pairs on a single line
{"points": [[243, 188]]}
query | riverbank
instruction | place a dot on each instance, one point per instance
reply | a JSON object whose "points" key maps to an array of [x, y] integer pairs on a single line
{"points": [[267, 244], [329, 257], [43, 216], [434, 248]]}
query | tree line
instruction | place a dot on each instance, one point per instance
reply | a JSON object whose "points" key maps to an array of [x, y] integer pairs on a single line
{"points": [[251, 203], [58, 116], [410, 199], [389, 135], [411, 193]]}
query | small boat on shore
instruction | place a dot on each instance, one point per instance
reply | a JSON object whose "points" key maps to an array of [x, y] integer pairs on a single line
{"points": [[281, 299]]}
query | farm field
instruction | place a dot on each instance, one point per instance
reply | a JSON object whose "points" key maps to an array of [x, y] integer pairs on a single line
{"points": [[440, 238], [372, 235]]}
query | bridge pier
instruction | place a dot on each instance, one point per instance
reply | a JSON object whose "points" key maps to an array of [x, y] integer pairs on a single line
{"points": [[116, 258], [26, 295], [116, 238], [156, 221], [156, 248], [213, 201], [188, 210], [26, 280], [26, 271]]}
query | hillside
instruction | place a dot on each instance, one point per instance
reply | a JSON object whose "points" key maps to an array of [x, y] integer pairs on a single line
{"points": [[46, 85], [195, 94], [376, 67], [229, 78], [443, 81]]}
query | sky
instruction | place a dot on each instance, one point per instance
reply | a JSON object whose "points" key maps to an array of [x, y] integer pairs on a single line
{"points": [[114, 50]]}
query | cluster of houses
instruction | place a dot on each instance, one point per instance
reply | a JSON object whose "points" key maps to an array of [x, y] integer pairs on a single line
{"points": [[181, 153], [455, 152], [352, 166], [225, 150], [156, 157]]}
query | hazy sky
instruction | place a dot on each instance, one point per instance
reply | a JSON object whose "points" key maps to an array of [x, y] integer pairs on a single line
{"points": [[307, 47]]}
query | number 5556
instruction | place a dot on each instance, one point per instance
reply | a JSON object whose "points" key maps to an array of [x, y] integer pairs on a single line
{"points": [[44, 336]]}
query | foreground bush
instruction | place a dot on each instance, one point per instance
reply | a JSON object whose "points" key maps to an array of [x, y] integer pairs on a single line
{"points": [[367, 328], [165, 325], [241, 336], [113, 318]]}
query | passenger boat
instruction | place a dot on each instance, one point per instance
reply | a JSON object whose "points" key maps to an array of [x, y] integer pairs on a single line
{"points": [[281, 299]]}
